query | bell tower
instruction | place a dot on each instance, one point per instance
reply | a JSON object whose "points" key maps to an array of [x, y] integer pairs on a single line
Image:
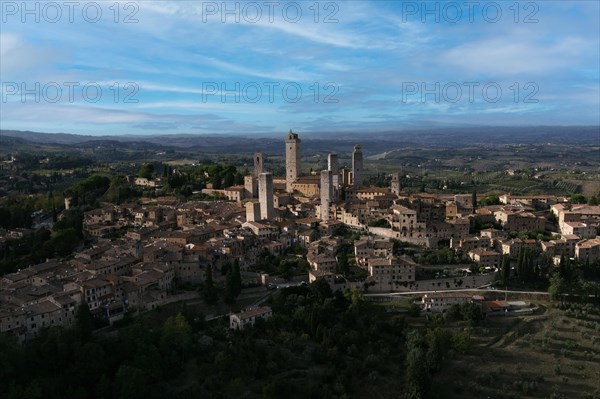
{"points": [[292, 160]]}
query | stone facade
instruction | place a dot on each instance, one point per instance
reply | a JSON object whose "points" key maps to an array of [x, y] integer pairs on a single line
{"points": [[265, 196], [357, 166], [292, 160]]}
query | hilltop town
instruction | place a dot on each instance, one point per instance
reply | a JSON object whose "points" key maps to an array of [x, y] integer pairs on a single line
{"points": [[324, 200], [326, 224]]}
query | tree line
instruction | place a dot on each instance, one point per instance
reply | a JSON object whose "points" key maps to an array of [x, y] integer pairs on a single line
{"points": [[317, 344]]}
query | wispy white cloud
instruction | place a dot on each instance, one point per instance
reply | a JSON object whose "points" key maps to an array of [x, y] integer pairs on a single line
{"points": [[19, 56], [286, 74], [515, 55], [369, 54]]}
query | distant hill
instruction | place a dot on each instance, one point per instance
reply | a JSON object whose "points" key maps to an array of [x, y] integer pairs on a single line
{"points": [[326, 141], [45, 138]]}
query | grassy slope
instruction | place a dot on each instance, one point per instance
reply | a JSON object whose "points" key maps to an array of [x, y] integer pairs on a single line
{"points": [[511, 353]]}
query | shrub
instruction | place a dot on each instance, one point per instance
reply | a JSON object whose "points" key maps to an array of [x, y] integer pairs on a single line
{"points": [[557, 369]]}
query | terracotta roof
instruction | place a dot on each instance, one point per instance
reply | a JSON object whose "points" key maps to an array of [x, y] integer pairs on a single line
{"points": [[246, 314]]}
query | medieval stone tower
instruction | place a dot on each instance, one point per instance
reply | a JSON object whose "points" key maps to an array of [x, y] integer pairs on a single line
{"points": [[259, 164], [334, 166], [251, 186], [357, 166], [395, 183], [326, 193], [252, 211], [292, 160], [265, 196]]}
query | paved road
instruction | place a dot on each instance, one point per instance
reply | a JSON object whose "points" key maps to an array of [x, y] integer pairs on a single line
{"points": [[459, 290]]}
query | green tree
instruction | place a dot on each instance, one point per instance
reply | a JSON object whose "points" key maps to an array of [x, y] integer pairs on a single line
{"points": [[229, 179], [236, 278], [490, 200], [119, 191], [321, 290], [63, 242], [379, 223], [461, 340], [131, 383], [417, 373], [84, 323], [471, 313], [10, 354], [454, 312], [520, 264], [53, 205], [505, 269], [176, 339], [86, 192], [354, 296], [210, 293], [229, 296], [557, 286], [414, 310], [104, 387], [233, 282], [186, 191], [577, 199], [438, 343], [343, 265], [146, 170], [30, 391]]}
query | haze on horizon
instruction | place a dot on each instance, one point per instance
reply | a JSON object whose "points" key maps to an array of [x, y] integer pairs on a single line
{"points": [[342, 66]]}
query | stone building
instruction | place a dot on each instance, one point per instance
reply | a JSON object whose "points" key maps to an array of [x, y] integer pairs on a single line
{"points": [[259, 164], [292, 160], [357, 166], [326, 194], [265, 196]]}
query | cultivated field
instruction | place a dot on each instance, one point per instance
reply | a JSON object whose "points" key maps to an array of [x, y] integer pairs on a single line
{"points": [[553, 353]]}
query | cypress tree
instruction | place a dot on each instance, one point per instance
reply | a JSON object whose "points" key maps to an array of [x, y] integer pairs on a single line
{"points": [[506, 269], [236, 278], [530, 267], [229, 296], [210, 294], [84, 323], [520, 262]]}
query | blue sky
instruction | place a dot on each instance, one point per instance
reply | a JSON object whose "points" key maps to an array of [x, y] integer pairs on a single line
{"points": [[191, 67]]}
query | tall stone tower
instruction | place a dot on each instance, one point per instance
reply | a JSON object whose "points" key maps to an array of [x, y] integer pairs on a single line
{"points": [[346, 175], [334, 167], [326, 193], [357, 166], [395, 183], [265, 196], [252, 211], [250, 186], [292, 160], [259, 163]]}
